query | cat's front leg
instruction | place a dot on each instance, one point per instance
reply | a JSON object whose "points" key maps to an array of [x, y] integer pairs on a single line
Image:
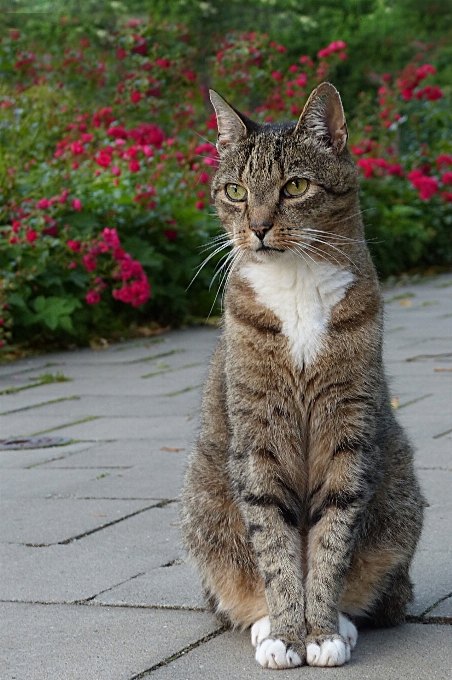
{"points": [[334, 517], [272, 521]]}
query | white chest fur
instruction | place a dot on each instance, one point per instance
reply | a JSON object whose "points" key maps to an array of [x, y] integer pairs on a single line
{"points": [[302, 296]]}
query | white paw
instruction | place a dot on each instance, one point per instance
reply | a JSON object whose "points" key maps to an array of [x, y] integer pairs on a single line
{"points": [[348, 631], [330, 653], [274, 654], [260, 630]]}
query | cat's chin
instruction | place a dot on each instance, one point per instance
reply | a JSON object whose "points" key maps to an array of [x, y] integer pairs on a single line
{"points": [[262, 254]]}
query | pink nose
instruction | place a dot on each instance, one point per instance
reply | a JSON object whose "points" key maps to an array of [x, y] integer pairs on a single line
{"points": [[260, 229]]}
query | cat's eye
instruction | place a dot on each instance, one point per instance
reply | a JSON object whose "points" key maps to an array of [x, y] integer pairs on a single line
{"points": [[235, 192], [296, 187]]}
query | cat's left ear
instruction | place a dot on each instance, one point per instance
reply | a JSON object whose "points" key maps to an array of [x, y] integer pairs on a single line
{"points": [[323, 116], [231, 125]]}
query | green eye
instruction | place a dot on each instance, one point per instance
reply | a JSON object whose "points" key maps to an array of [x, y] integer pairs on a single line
{"points": [[296, 187], [235, 192]]}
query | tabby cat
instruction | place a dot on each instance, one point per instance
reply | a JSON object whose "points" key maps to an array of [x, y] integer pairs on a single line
{"points": [[300, 504]]}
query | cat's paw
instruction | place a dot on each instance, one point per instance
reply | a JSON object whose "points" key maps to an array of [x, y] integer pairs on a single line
{"points": [[348, 631], [260, 630], [272, 653], [329, 652]]}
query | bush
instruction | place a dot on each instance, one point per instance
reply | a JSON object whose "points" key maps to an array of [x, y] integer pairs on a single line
{"points": [[105, 158]]}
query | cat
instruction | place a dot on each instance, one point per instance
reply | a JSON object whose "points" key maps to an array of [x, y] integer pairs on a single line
{"points": [[300, 504]]}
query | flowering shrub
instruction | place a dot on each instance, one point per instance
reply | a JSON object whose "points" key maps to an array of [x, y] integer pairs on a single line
{"points": [[105, 162]]}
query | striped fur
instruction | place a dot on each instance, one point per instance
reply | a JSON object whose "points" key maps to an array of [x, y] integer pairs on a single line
{"points": [[300, 500]]}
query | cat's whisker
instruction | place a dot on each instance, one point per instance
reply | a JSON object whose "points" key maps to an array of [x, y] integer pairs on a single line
{"points": [[230, 262], [229, 256], [300, 249], [208, 258], [333, 234], [341, 252], [235, 262], [205, 139]]}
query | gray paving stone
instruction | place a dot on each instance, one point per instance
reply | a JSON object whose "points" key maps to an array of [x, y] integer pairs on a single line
{"points": [[20, 424], [176, 585], [437, 488], [443, 610], [431, 570], [84, 568], [25, 458], [53, 520], [415, 652], [63, 642]]}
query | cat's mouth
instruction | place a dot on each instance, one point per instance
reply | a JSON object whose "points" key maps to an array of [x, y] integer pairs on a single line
{"points": [[263, 248]]}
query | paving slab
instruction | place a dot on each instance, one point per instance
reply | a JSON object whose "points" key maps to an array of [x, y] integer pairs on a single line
{"points": [[25, 458], [443, 609], [61, 642], [175, 585], [84, 568], [415, 652], [32, 520]]}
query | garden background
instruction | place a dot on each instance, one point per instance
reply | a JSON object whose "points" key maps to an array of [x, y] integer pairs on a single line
{"points": [[106, 150]]}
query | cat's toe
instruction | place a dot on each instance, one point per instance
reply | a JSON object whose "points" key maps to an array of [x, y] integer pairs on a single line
{"points": [[275, 654], [260, 630], [348, 631], [329, 652]]}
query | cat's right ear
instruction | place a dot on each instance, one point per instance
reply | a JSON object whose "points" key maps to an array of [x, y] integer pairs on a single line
{"points": [[231, 126]]}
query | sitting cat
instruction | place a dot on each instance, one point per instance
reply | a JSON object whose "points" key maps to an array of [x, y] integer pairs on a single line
{"points": [[300, 502]]}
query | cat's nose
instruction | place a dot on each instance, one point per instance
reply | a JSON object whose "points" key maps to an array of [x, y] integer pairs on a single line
{"points": [[260, 229]]}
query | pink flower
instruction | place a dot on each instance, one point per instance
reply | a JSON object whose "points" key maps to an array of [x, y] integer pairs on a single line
{"points": [[31, 236], [77, 147], [74, 245], [103, 159], [443, 159], [92, 297], [277, 75], [446, 178], [77, 204], [428, 188], [293, 68], [89, 263], [134, 165], [111, 238], [43, 203], [115, 170], [204, 177]]}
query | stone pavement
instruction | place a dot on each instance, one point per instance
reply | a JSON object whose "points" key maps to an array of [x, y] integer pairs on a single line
{"points": [[94, 583]]}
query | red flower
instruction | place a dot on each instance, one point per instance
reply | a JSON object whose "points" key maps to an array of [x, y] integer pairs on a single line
{"points": [[50, 231], [103, 158], [77, 147], [135, 97], [89, 263], [31, 236], [111, 238], [121, 54], [199, 205], [430, 92], [43, 203], [446, 178], [204, 177], [134, 165], [77, 204], [443, 159], [92, 297], [163, 63], [74, 245], [277, 75], [171, 234], [447, 196]]}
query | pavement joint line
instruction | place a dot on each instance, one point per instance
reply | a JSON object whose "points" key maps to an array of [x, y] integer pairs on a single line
{"points": [[442, 434], [113, 498], [60, 427], [441, 355], [185, 389], [89, 467], [26, 370], [144, 343], [178, 654], [106, 590], [89, 602], [414, 401], [42, 403], [154, 356], [171, 370], [161, 504], [68, 453], [435, 604]]}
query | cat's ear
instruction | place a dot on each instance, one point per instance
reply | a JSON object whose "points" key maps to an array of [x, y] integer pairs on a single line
{"points": [[231, 124], [323, 116]]}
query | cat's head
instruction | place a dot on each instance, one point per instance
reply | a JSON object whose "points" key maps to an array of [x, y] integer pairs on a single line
{"points": [[277, 182]]}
